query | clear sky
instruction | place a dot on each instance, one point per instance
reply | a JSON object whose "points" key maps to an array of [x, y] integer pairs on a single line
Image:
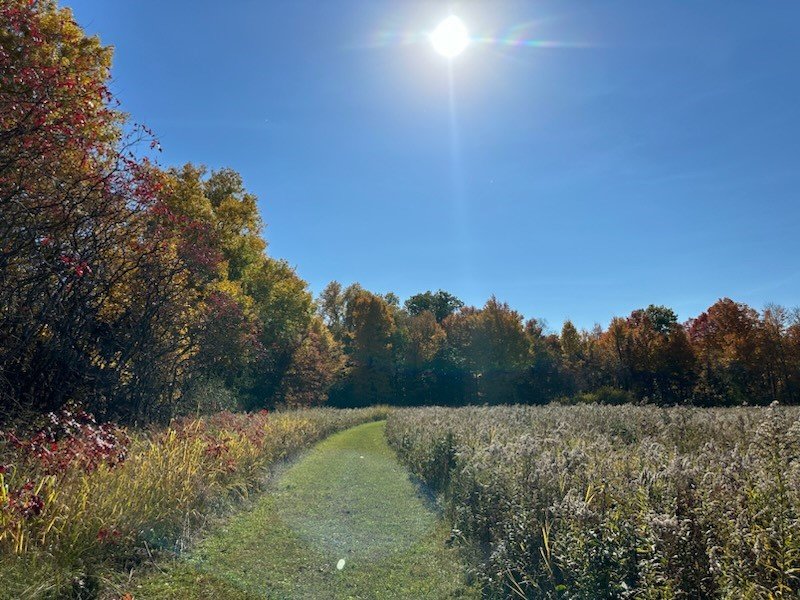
{"points": [[648, 152]]}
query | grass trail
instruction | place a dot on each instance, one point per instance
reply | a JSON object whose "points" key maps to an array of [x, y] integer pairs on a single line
{"points": [[347, 500]]}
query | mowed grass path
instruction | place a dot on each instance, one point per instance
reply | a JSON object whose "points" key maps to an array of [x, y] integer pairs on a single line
{"points": [[348, 499]]}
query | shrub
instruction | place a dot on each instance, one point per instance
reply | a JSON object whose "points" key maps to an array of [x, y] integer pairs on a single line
{"points": [[606, 395]]}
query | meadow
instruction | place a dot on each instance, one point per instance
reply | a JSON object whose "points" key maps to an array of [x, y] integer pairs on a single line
{"points": [[82, 503], [616, 502], [158, 364]]}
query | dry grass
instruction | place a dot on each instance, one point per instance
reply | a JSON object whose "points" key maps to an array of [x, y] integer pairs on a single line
{"points": [[72, 509], [617, 502]]}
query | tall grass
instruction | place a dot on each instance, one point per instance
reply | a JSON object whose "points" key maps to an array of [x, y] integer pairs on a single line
{"points": [[78, 499], [617, 502]]}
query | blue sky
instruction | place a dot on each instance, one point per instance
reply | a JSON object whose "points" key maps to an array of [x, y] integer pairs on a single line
{"points": [[650, 157]]}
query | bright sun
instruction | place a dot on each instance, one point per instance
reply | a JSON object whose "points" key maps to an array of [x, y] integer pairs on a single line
{"points": [[450, 37]]}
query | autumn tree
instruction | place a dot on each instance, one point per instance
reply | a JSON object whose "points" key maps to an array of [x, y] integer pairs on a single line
{"points": [[649, 354], [370, 328], [122, 285], [82, 225], [572, 357], [724, 338], [421, 362], [792, 350], [316, 365], [774, 355]]}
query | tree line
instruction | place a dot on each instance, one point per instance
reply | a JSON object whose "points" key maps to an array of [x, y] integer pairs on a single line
{"points": [[141, 291], [435, 350]]}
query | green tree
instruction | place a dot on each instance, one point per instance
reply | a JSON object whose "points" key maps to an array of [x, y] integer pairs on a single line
{"points": [[284, 308], [421, 365], [491, 348], [331, 308], [545, 377], [570, 342], [441, 304]]}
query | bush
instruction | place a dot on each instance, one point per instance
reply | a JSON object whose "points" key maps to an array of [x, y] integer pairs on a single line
{"points": [[603, 395], [606, 395]]}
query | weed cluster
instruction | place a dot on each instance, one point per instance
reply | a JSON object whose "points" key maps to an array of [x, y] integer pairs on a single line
{"points": [[617, 502]]}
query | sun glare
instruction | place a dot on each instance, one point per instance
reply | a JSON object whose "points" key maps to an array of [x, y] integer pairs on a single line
{"points": [[450, 38]]}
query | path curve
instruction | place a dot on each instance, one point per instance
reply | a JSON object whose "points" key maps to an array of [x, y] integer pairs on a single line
{"points": [[344, 522]]}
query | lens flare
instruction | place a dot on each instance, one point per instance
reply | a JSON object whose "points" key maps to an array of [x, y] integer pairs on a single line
{"points": [[450, 38]]}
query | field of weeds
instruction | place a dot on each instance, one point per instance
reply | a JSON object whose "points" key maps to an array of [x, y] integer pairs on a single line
{"points": [[616, 502]]}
